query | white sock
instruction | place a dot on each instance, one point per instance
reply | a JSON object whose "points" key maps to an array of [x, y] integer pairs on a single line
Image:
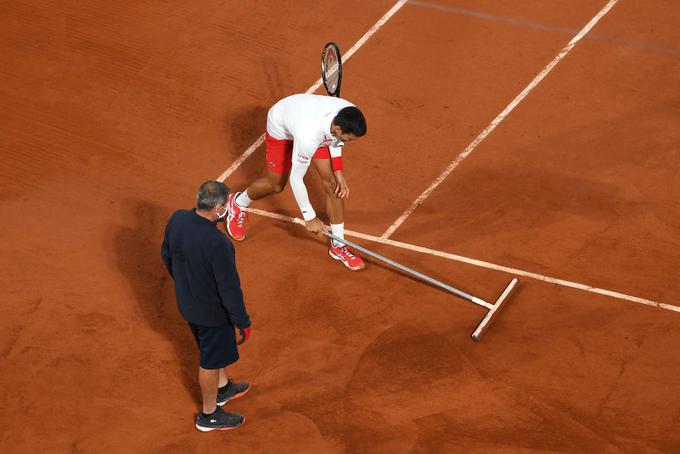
{"points": [[339, 231], [243, 200]]}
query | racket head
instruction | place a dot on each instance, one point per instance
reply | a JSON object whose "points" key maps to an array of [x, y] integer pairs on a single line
{"points": [[331, 69]]}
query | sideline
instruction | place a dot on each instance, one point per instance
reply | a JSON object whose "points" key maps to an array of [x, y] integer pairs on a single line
{"points": [[496, 121]]}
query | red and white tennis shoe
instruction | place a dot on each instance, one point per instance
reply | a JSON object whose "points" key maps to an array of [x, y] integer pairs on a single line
{"points": [[236, 219], [347, 257]]}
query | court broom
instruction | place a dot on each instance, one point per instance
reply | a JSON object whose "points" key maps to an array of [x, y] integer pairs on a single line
{"points": [[492, 309]]}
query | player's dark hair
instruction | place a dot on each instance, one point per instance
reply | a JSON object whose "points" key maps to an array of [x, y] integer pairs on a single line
{"points": [[210, 194], [351, 121]]}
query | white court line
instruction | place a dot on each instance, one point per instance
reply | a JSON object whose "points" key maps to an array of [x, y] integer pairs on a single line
{"points": [[481, 264], [371, 31], [501, 116]]}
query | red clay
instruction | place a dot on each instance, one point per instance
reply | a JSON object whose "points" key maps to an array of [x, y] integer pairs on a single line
{"points": [[115, 112]]}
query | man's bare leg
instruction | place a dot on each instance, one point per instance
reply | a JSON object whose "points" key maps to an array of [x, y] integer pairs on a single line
{"points": [[209, 380], [335, 206], [223, 377], [271, 183]]}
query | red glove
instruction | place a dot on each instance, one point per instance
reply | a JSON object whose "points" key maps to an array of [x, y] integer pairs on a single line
{"points": [[245, 334]]}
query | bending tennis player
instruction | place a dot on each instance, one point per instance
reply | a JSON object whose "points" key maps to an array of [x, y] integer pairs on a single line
{"points": [[303, 130]]}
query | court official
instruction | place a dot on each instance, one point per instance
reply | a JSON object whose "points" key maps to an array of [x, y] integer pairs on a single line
{"points": [[201, 260]]}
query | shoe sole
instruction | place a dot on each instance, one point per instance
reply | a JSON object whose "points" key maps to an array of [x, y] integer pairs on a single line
{"points": [[230, 217], [353, 268], [210, 429], [235, 238], [235, 396]]}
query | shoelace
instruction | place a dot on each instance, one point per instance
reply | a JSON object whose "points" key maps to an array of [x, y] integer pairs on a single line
{"points": [[346, 250], [242, 216]]}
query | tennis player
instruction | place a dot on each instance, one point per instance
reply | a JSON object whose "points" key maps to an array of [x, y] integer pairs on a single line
{"points": [[302, 130]]}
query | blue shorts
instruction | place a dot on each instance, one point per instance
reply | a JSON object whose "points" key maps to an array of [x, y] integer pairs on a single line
{"points": [[217, 345]]}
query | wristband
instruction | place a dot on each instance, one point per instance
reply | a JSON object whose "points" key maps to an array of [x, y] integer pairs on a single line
{"points": [[337, 164]]}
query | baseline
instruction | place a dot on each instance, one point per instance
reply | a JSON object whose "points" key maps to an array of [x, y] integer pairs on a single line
{"points": [[482, 264], [547, 27]]}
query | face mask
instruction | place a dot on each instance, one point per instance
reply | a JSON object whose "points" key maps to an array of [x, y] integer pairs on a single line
{"points": [[223, 215]]}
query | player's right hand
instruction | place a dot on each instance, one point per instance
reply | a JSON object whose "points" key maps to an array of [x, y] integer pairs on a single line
{"points": [[316, 226]]}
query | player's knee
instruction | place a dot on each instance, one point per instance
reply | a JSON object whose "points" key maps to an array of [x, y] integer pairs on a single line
{"points": [[276, 184], [329, 186]]}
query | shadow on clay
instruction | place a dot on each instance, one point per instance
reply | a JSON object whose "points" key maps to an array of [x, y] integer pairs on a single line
{"points": [[137, 246]]}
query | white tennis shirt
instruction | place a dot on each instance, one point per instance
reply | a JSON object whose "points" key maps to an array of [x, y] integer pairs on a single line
{"points": [[306, 120]]}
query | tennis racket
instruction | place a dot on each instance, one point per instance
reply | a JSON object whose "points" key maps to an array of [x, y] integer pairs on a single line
{"points": [[331, 69]]}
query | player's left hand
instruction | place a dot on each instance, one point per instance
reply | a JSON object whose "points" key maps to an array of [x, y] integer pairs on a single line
{"points": [[341, 187]]}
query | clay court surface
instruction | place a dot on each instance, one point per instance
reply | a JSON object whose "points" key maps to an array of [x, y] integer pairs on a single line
{"points": [[113, 113]]}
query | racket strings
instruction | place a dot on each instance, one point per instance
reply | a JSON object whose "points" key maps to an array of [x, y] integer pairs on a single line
{"points": [[331, 69]]}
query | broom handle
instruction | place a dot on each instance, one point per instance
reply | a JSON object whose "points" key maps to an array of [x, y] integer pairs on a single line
{"points": [[408, 270]]}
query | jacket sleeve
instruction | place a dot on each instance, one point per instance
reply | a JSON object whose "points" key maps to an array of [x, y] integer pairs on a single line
{"points": [[165, 253], [228, 284]]}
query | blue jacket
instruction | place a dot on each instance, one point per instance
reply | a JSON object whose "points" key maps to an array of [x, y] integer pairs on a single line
{"points": [[202, 262]]}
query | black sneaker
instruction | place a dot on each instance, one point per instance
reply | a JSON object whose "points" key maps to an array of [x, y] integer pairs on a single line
{"points": [[219, 420], [232, 390]]}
